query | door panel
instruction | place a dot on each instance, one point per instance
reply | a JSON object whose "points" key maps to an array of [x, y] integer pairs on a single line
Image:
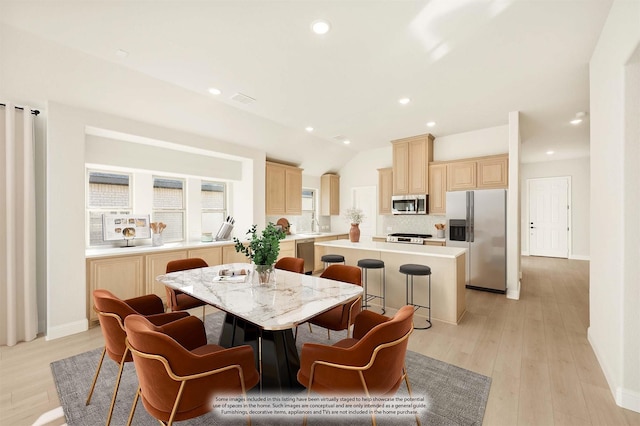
{"points": [[548, 217]]}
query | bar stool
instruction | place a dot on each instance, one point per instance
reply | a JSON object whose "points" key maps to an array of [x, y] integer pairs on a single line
{"points": [[417, 270], [332, 258], [367, 264]]}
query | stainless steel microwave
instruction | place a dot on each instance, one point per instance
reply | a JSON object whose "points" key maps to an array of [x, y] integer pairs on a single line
{"points": [[410, 204]]}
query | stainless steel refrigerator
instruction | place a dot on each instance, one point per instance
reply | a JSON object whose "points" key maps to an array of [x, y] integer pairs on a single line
{"points": [[476, 220]]}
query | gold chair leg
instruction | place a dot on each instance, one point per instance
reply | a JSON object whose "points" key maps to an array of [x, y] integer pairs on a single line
{"points": [[310, 330], [328, 334], [406, 380], [133, 407], [175, 404], [95, 376], [204, 308], [115, 390]]}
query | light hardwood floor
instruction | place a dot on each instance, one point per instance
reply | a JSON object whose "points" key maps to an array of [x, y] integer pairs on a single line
{"points": [[535, 350]]}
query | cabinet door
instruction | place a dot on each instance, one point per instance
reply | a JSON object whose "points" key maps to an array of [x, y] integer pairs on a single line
{"points": [[122, 276], [211, 255], [418, 166], [319, 251], [275, 187], [287, 249], [437, 188], [385, 190], [156, 264], [461, 176], [230, 255], [330, 195], [293, 202], [493, 173], [400, 168]]}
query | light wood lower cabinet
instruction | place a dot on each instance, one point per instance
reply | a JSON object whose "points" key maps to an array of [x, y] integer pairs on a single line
{"points": [[123, 276], [156, 264], [211, 255], [230, 255]]}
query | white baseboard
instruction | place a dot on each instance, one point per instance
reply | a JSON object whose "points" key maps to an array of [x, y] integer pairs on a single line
{"points": [[579, 257], [625, 398], [524, 253], [67, 329], [514, 293]]}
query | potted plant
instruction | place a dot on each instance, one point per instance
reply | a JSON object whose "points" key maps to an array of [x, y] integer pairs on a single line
{"points": [[262, 250], [354, 217]]}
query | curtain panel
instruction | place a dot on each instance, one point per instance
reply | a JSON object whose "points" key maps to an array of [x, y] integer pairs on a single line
{"points": [[18, 299]]}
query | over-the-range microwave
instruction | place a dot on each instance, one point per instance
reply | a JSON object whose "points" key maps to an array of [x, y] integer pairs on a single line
{"points": [[410, 204]]}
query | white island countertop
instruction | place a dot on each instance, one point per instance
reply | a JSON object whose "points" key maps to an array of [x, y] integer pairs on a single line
{"points": [[411, 249]]}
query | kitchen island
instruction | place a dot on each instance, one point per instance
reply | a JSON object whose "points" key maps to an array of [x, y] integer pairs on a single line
{"points": [[447, 274]]}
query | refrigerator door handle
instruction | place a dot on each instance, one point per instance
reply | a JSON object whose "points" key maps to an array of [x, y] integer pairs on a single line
{"points": [[470, 215]]}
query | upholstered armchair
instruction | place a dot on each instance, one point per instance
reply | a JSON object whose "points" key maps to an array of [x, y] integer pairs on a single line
{"points": [[292, 264], [179, 373], [177, 300], [369, 364], [111, 312], [341, 317]]}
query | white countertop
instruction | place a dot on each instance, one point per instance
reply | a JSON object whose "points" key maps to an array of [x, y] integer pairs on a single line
{"points": [[434, 239], [291, 300], [412, 249], [146, 247]]}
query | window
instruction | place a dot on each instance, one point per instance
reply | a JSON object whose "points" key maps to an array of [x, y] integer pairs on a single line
{"points": [[107, 192], [214, 206], [308, 210], [168, 207]]}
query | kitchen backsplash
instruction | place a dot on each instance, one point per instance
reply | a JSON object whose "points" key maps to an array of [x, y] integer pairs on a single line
{"points": [[302, 224], [416, 224]]}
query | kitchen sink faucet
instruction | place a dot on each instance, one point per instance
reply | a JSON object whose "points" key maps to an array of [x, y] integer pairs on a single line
{"points": [[317, 225]]}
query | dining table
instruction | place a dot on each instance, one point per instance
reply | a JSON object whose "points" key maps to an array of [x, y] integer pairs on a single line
{"points": [[263, 316]]}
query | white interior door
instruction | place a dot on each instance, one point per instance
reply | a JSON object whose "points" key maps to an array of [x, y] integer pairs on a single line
{"points": [[549, 216], [366, 199]]}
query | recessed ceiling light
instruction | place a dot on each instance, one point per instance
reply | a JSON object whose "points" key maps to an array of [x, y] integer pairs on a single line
{"points": [[309, 129], [550, 152], [320, 27], [404, 101], [346, 141], [122, 53], [214, 91], [431, 123]]}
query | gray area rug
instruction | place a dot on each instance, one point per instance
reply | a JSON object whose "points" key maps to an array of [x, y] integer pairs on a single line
{"points": [[452, 395]]}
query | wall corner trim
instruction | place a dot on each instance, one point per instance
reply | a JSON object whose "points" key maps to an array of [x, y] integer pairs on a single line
{"points": [[514, 294]]}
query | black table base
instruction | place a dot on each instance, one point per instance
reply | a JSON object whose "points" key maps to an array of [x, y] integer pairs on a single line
{"points": [[280, 360]]}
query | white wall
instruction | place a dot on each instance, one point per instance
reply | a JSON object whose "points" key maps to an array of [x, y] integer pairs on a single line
{"points": [[578, 170], [614, 292], [65, 258], [478, 143]]}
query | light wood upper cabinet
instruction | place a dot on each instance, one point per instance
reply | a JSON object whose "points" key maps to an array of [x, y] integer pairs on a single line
{"points": [[385, 190], [437, 188], [493, 172], [411, 157], [283, 189], [329, 195], [461, 176]]}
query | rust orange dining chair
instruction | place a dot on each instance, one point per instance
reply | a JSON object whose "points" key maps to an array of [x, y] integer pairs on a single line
{"points": [[341, 317], [111, 313], [292, 264], [177, 300], [179, 374], [372, 363]]}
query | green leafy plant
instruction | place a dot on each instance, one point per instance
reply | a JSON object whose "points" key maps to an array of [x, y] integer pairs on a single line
{"points": [[262, 249]]}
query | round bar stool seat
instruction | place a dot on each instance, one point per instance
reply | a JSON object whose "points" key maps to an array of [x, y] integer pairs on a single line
{"points": [[367, 264], [332, 258], [412, 269]]}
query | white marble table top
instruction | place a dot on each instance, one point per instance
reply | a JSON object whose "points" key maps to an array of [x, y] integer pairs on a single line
{"points": [[292, 300]]}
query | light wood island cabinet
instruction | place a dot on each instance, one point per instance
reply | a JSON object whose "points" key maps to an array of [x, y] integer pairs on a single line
{"points": [[385, 190], [411, 157], [329, 195], [283, 189]]}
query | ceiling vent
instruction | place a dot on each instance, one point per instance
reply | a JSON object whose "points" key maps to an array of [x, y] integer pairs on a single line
{"points": [[243, 99]]}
